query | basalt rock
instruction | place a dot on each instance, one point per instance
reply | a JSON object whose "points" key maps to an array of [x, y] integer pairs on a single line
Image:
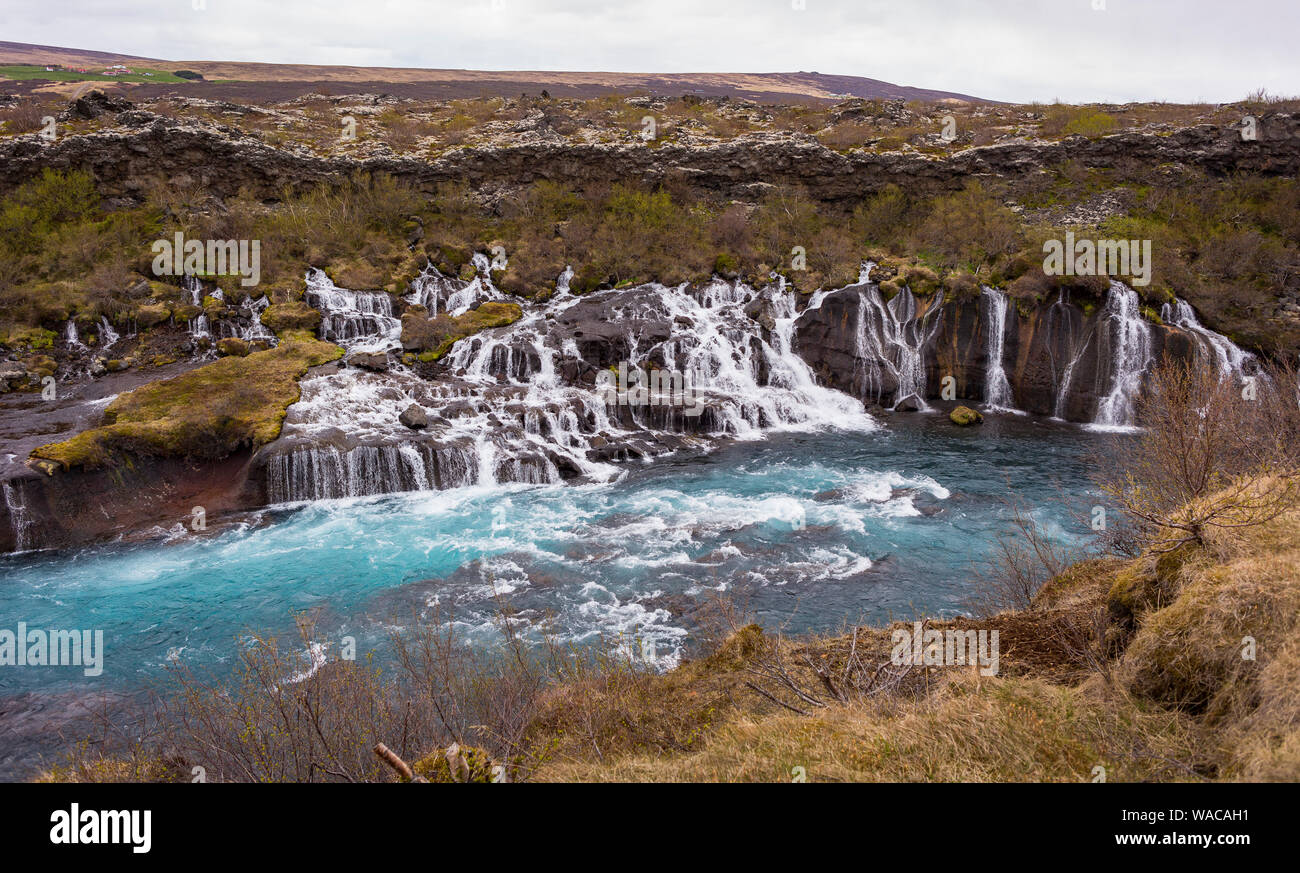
{"points": [[125, 159]]}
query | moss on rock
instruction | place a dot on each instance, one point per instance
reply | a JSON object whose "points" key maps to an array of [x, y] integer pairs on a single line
{"points": [[294, 315], [435, 337], [210, 412]]}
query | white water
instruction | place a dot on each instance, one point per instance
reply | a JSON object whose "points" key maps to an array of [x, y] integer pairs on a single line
{"points": [[1228, 357], [357, 320], [107, 336], [1125, 339], [70, 336], [892, 339], [439, 293], [19, 517], [252, 332], [509, 418], [997, 388]]}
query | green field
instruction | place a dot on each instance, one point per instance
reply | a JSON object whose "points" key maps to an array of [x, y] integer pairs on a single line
{"points": [[32, 71]]}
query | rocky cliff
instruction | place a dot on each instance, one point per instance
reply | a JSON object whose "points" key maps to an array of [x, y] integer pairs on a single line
{"points": [[143, 146]]}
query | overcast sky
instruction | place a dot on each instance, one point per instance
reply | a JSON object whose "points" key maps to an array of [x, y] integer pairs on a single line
{"points": [[1017, 50]]}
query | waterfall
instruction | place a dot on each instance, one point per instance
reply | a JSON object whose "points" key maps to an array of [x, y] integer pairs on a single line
{"points": [[892, 340], [70, 336], [1126, 345], [357, 320], [997, 388], [198, 326], [562, 283], [19, 517], [253, 331], [1227, 356], [322, 473], [436, 292], [107, 336], [512, 413]]}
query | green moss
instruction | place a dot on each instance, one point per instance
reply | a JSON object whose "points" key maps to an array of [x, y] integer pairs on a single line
{"points": [[152, 315], [295, 315], [31, 338], [233, 403], [440, 334]]}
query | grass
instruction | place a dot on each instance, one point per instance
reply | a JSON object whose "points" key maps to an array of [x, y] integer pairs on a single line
{"points": [[27, 72], [210, 412]]}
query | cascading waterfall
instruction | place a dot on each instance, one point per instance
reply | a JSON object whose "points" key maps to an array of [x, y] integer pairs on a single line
{"points": [[198, 325], [19, 517], [439, 293], [1125, 343], [997, 388], [357, 320], [892, 339], [107, 336], [509, 417], [1228, 357], [503, 413]]}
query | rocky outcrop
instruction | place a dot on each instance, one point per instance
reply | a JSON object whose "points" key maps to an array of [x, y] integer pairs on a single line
{"points": [[1056, 355], [223, 160], [525, 399], [70, 510]]}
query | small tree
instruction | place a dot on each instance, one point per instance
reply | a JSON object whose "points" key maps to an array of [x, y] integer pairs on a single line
{"points": [[1211, 454]]}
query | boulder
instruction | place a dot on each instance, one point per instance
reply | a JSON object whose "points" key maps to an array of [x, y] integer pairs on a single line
{"points": [[414, 417], [375, 362], [232, 346], [910, 403], [93, 105], [964, 416], [152, 315], [294, 315]]}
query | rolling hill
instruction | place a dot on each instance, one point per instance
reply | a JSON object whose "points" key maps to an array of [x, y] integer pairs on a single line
{"points": [[234, 79]]}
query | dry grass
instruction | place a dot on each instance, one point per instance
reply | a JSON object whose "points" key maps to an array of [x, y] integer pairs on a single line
{"points": [[1004, 731]]}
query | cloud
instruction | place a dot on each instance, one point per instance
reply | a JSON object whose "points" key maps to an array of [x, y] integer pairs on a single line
{"points": [[1018, 50]]}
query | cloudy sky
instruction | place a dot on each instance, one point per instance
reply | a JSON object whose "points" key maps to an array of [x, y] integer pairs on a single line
{"points": [[1020, 50]]}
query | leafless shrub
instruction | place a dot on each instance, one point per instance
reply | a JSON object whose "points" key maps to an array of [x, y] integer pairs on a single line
{"points": [[1211, 454], [1083, 634], [1023, 560], [23, 117]]}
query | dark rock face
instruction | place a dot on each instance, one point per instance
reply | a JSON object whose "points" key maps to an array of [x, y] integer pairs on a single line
{"points": [[93, 105], [601, 326], [222, 160], [1043, 345], [69, 510]]}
